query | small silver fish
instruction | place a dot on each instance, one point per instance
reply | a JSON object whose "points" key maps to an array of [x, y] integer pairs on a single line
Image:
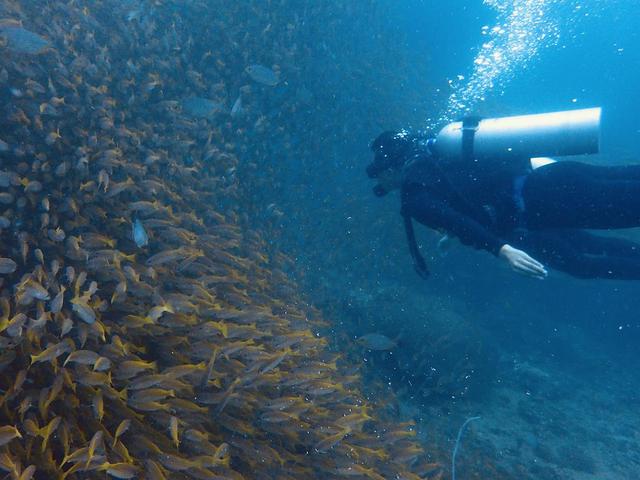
{"points": [[7, 265], [139, 234], [134, 15], [199, 107], [237, 110], [21, 40], [377, 341], [262, 74]]}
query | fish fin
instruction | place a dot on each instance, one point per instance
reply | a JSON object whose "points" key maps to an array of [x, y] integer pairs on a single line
{"points": [[399, 337]]}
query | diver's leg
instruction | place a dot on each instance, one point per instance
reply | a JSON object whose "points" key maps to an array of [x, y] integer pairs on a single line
{"points": [[616, 172], [564, 251], [591, 244], [577, 195]]}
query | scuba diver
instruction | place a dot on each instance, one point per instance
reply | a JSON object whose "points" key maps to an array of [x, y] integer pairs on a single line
{"points": [[526, 211]]}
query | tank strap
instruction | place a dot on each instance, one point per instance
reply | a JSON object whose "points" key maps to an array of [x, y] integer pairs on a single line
{"points": [[469, 128]]}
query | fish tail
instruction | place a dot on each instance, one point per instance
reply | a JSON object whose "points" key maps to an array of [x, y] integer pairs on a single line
{"points": [[123, 394], [399, 337]]}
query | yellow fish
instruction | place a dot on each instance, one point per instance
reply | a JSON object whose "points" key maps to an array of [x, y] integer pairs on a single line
{"points": [[173, 430], [93, 444], [98, 405], [122, 428], [120, 470], [53, 351], [8, 433]]}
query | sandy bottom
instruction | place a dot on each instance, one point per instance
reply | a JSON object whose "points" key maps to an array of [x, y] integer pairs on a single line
{"points": [[540, 422]]}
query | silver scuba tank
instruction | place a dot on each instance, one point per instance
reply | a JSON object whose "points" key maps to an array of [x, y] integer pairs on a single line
{"points": [[571, 132]]}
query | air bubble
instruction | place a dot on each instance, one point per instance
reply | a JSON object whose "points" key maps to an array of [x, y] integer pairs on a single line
{"points": [[522, 29]]}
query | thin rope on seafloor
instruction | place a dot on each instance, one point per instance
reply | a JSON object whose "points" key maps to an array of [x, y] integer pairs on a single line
{"points": [[455, 448]]}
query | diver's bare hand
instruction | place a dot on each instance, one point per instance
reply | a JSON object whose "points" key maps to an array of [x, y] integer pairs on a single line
{"points": [[522, 263]]}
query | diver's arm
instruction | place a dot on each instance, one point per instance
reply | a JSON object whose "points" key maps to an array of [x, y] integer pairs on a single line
{"points": [[438, 214]]}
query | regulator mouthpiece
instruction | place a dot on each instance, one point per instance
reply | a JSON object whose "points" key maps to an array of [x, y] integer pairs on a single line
{"points": [[573, 132]]}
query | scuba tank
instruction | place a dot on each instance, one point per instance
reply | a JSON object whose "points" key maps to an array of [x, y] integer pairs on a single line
{"points": [[572, 132]]}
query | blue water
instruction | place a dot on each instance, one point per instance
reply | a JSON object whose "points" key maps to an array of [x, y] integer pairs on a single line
{"points": [[476, 338]]}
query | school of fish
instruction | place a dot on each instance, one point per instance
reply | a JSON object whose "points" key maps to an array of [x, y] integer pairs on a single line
{"points": [[145, 330]]}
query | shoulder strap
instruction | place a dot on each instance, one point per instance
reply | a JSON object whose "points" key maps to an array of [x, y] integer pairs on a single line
{"points": [[418, 261], [469, 127]]}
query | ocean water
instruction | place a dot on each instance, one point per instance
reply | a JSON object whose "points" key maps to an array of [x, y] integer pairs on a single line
{"points": [[550, 366], [198, 282]]}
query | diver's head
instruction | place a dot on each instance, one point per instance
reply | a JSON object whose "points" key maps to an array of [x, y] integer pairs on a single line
{"points": [[391, 152]]}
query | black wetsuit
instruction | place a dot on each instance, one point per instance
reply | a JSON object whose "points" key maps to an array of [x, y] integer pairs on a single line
{"points": [[544, 212]]}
